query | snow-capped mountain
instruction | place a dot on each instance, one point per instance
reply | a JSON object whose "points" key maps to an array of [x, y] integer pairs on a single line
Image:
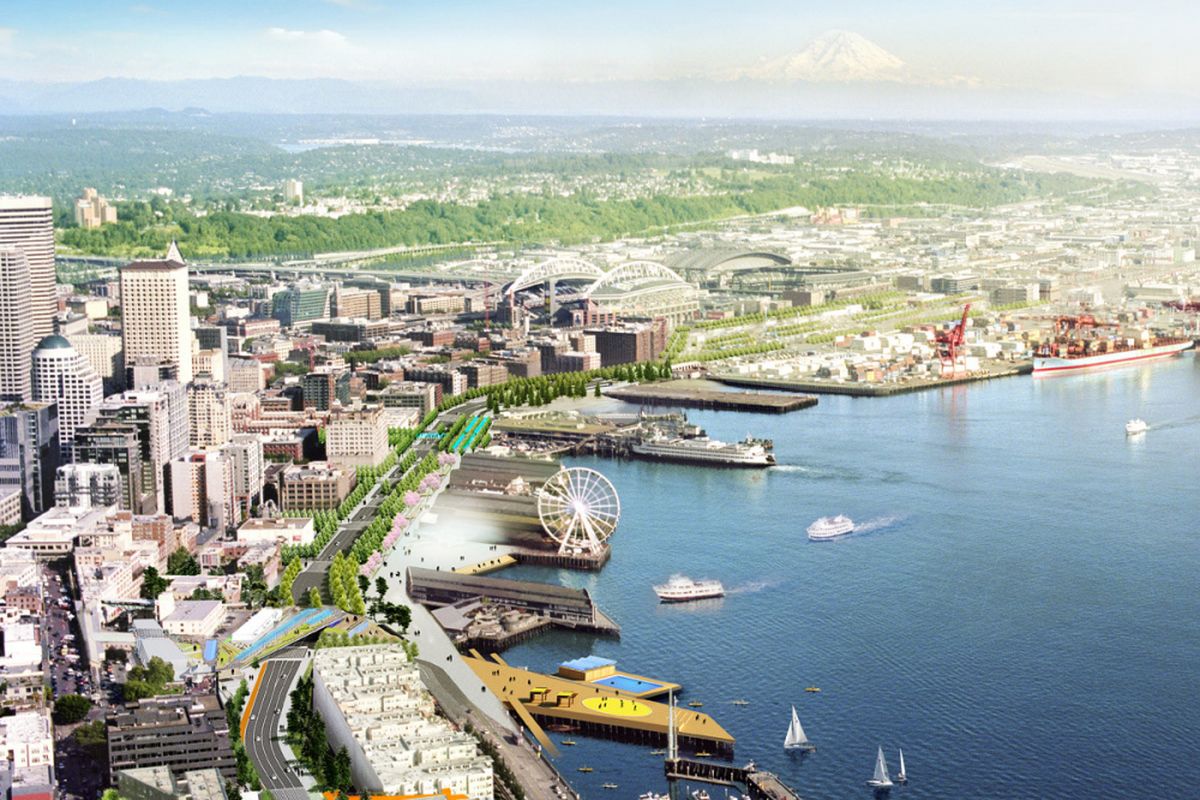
{"points": [[834, 57]]}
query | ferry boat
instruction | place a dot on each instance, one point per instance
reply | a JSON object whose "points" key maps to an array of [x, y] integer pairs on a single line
{"points": [[680, 589], [702, 450], [827, 528], [1077, 345], [1135, 426]]}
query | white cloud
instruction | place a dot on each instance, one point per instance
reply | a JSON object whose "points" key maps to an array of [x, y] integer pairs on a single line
{"points": [[323, 37]]}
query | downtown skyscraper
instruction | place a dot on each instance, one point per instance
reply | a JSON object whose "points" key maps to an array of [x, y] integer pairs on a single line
{"points": [[27, 223], [155, 318]]}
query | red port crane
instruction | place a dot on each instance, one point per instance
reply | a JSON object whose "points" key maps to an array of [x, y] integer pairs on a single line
{"points": [[949, 341]]}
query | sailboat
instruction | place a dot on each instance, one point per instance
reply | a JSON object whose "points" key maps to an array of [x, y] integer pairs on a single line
{"points": [[795, 739], [900, 776], [880, 779]]}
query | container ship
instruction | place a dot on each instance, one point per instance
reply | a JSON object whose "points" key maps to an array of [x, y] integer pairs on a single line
{"points": [[701, 449], [1078, 346]]}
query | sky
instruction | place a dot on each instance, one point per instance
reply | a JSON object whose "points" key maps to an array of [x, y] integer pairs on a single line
{"points": [[1098, 47]]}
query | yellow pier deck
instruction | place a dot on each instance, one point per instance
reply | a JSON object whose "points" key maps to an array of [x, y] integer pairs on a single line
{"points": [[595, 709], [491, 565]]}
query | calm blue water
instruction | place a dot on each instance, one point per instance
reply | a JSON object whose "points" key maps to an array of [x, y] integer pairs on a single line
{"points": [[1024, 620]]}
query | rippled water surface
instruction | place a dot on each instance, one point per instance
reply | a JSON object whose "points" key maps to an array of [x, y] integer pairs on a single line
{"points": [[1022, 615]]}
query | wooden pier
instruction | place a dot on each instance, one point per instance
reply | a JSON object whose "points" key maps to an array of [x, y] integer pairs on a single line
{"points": [[759, 785], [700, 394]]}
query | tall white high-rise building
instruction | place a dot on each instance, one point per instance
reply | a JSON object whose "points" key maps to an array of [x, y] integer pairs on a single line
{"points": [[61, 375], [103, 352], [28, 224], [16, 325], [245, 453], [209, 421], [155, 319]]}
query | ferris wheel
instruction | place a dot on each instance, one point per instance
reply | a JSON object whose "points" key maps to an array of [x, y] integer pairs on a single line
{"points": [[579, 509]]}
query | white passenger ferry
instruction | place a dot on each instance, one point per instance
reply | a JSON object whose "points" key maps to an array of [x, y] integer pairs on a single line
{"points": [[680, 589]]}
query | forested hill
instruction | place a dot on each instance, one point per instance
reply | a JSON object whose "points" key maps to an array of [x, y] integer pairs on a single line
{"points": [[148, 228]]}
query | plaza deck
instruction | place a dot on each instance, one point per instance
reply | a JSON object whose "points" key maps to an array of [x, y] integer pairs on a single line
{"points": [[592, 709], [701, 394]]}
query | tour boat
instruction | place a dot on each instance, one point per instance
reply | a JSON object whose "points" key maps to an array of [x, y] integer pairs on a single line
{"points": [[795, 739], [880, 779], [680, 589], [827, 528], [1135, 426], [901, 777]]}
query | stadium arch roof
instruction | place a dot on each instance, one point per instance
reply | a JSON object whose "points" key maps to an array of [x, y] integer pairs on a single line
{"points": [[710, 260]]}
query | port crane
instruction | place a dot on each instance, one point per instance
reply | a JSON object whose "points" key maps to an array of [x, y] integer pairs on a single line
{"points": [[949, 341]]}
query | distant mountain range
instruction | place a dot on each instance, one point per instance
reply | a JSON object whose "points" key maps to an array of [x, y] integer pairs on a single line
{"points": [[838, 75]]}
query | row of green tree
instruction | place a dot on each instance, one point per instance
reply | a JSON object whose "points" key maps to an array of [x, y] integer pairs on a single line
{"points": [[306, 735], [343, 584]]}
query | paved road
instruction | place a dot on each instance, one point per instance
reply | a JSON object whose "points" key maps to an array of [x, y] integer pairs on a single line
{"points": [[313, 575], [264, 749]]}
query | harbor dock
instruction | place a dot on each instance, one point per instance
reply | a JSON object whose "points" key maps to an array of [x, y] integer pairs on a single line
{"points": [[760, 785], [494, 613], [702, 394], [594, 709], [863, 389]]}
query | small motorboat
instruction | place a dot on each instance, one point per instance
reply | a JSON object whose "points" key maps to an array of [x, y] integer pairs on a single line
{"points": [[1135, 426], [741, 702], [812, 689], [585, 769], [609, 785], [658, 752], [696, 704], [700, 794], [569, 742]]}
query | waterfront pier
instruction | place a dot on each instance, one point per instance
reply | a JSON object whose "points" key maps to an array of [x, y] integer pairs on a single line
{"points": [[759, 785], [593, 709], [699, 394]]}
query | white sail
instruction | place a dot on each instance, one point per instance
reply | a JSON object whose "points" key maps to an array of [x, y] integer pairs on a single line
{"points": [[880, 778], [795, 734], [901, 776]]}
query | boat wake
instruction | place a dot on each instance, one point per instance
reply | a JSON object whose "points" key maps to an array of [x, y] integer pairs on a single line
{"points": [[878, 523], [817, 473], [752, 587], [1174, 423]]}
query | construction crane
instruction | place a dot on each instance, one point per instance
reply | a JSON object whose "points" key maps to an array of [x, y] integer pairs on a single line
{"points": [[949, 341]]}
